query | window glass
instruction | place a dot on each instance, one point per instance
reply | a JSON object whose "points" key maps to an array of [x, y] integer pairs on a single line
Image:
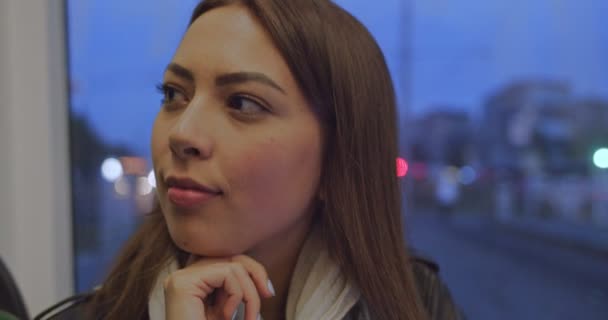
{"points": [[503, 116]]}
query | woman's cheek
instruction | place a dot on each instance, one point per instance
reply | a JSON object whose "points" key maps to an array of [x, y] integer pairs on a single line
{"points": [[258, 175], [273, 182]]}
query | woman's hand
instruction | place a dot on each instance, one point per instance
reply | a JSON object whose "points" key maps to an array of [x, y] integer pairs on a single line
{"points": [[212, 289]]}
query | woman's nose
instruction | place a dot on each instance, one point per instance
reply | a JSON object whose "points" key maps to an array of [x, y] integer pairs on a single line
{"points": [[189, 140], [185, 147]]}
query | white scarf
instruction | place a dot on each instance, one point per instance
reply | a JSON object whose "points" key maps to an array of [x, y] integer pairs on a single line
{"points": [[318, 288]]}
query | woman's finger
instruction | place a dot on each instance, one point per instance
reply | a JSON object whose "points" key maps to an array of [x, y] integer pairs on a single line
{"points": [[232, 287], [229, 281], [186, 289], [251, 297], [258, 274], [231, 306]]}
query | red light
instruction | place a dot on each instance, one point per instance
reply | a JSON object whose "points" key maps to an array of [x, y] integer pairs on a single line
{"points": [[402, 167]]}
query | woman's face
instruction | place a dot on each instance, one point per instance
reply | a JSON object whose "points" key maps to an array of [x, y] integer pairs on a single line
{"points": [[234, 120]]}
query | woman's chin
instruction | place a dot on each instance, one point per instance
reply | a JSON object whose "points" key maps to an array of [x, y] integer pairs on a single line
{"points": [[212, 247]]}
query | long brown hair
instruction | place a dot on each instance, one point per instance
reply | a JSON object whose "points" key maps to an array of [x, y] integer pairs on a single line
{"points": [[342, 72]]}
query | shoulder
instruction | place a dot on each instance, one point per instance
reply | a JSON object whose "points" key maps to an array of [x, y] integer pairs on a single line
{"points": [[72, 308], [434, 294]]}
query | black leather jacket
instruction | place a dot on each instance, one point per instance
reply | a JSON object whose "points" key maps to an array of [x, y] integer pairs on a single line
{"points": [[435, 296]]}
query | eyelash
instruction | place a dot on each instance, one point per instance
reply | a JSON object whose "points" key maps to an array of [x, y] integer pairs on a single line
{"points": [[244, 97], [165, 89]]}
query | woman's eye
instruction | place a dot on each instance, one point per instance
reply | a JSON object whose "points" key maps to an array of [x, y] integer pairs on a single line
{"points": [[245, 105], [170, 94]]}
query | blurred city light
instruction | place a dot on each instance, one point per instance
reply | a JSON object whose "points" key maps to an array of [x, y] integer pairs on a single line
{"points": [[152, 179], [467, 175], [402, 167], [143, 186], [136, 166], [600, 158], [452, 172], [122, 187], [111, 169]]}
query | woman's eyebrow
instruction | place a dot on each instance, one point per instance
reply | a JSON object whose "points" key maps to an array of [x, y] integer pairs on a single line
{"points": [[226, 79], [241, 77], [180, 71]]}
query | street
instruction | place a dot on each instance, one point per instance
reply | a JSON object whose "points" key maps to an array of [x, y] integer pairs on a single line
{"points": [[496, 274]]}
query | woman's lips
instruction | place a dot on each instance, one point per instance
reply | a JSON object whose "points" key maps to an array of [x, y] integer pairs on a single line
{"points": [[188, 198]]}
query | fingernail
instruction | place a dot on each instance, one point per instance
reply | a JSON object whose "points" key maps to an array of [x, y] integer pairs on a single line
{"points": [[271, 288], [259, 317], [234, 314]]}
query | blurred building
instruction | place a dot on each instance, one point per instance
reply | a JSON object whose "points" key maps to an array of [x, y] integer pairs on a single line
{"points": [[521, 116], [441, 143], [538, 138], [442, 137]]}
